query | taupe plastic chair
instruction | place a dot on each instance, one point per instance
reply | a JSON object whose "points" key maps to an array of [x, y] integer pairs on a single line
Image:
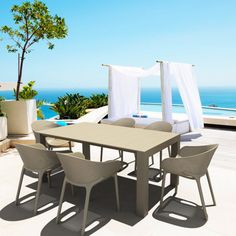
{"points": [[159, 126], [36, 158], [86, 173], [192, 163], [126, 122], [50, 142]]}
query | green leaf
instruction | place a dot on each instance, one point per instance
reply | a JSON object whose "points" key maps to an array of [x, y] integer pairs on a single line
{"points": [[33, 22], [27, 91], [98, 100], [50, 45], [71, 106], [39, 104]]}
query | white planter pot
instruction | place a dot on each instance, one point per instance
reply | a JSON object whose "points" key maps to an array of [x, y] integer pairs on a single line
{"points": [[20, 115], [3, 127]]}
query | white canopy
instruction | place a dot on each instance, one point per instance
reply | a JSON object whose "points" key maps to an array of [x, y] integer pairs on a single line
{"points": [[124, 90]]}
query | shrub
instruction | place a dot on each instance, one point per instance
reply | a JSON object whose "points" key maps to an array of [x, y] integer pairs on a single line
{"points": [[40, 103], [71, 106], [98, 100]]}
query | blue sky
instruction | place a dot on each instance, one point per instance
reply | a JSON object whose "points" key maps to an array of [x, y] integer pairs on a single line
{"points": [[130, 32]]}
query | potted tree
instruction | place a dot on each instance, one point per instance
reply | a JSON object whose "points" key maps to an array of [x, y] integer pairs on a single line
{"points": [[33, 23], [23, 112]]}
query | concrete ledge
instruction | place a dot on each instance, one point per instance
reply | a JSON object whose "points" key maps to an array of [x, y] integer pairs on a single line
{"points": [[12, 140], [21, 139], [4, 145], [217, 120]]}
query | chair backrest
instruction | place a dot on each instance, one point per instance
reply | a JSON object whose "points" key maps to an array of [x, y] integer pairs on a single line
{"points": [[80, 171], [126, 122], [41, 125], [197, 158], [160, 126], [36, 157]]}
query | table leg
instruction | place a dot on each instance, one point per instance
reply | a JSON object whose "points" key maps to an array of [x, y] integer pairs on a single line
{"points": [[174, 179], [86, 150], [142, 189]]}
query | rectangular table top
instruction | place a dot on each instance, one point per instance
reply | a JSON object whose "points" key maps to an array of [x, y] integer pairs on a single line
{"points": [[130, 139]]}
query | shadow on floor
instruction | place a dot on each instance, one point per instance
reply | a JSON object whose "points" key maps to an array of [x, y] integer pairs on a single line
{"points": [[180, 212], [72, 225], [101, 207], [25, 210], [190, 136], [153, 174], [48, 199]]}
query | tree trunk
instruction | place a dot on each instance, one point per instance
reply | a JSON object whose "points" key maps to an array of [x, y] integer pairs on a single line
{"points": [[20, 74]]}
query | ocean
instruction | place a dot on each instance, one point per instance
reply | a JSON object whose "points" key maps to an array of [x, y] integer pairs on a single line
{"points": [[217, 97]]}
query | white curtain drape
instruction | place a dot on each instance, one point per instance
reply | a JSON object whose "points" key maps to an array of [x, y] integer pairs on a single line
{"points": [[166, 93], [124, 91], [186, 83]]}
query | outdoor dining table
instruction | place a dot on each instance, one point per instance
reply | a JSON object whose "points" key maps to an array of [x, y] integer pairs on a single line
{"points": [[143, 143]]}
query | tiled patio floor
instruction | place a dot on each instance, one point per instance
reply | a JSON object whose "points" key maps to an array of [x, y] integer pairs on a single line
{"points": [[19, 221]]}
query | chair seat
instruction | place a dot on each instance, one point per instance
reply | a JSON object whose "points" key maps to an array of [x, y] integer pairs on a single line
{"points": [[77, 154], [54, 142]]}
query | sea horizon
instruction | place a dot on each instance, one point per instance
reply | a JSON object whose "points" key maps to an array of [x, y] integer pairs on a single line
{"points": [[224, 97]]}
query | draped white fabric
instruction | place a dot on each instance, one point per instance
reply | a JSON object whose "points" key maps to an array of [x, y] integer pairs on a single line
{"points": [[166, 93], [186, 83], [124, 91]]}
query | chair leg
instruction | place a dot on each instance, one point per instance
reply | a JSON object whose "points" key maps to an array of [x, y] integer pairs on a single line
{"points": [[169, 151], [19, 185], [211, 189], [72, 190], [135, 163], [61, 201], [160, 166], [201, 197], [38, 192], [121, 155], [101, 154], [163, 188], [49, 179], [88, 190], [152, 158], [70, 146], [117, 193], [176, 190]]}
